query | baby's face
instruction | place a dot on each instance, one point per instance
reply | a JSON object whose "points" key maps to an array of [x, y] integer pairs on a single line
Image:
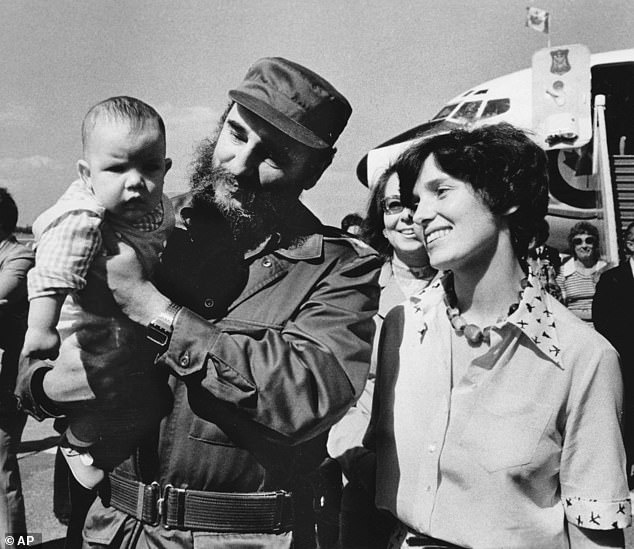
{"points": [[126, 167]]}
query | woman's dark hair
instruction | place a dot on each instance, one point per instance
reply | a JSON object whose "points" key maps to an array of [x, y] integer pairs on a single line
{"points": [[500, 162], [8, 211], [374, 224], [583, 227]]}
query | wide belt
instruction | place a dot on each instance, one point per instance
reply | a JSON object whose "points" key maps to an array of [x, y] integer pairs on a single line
{"points": [[255, 512]]}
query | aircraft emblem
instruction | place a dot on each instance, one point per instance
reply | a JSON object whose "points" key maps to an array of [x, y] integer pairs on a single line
{"points": [[560, 63]]}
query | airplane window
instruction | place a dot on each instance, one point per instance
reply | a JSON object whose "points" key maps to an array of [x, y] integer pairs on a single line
{"points": [[468, 111], [480, 92], [495, 107], [444, 112]]}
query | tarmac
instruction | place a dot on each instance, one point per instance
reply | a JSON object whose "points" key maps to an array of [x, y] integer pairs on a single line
{"points": [[37, 459]]}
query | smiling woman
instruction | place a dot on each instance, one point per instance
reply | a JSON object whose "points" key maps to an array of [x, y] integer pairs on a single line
{"points": [[391, 231], [580, 274], [482, 379]]}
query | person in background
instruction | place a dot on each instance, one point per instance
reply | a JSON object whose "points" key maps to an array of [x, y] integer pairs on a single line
{"points": [[496, 417], [15, 261], [544, 261], [262, 327], [406, 271], [612, 307], [352, 224], [579, 275]]}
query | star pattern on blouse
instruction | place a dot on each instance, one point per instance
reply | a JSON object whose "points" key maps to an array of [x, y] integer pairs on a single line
{"points": [[594, 514], [533, 316]]}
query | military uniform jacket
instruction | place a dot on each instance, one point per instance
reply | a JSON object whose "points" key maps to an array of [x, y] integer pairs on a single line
{"points": [[283, 354]]}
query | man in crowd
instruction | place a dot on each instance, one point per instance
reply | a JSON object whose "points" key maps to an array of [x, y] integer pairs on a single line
{"points": [[262, 328], [612, 308], [352, 224], [15, 260]]}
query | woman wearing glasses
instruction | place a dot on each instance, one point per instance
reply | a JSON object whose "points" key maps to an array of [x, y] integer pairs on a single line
{"points": [[580, 274], [496, 416], [389, 229]]}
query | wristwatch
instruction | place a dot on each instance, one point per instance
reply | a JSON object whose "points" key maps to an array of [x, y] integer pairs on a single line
{"points": [[159, 330]]}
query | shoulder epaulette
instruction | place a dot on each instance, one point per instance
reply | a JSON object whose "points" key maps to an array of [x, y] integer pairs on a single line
{"points": [[337, 235]]}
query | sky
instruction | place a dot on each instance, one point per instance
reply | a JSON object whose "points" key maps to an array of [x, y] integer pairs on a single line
{"points": [[397, 61]]}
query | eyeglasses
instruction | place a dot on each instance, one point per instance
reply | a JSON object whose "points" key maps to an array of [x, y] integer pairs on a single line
{"points": [[392, 205], [590, 240]]}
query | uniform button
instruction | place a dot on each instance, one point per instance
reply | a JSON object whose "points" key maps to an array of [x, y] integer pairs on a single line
{"points": [[209, 303], [184, 360], [266, 262]]}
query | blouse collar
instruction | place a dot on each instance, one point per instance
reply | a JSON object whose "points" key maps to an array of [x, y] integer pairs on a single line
{"points": [[534, 316]]}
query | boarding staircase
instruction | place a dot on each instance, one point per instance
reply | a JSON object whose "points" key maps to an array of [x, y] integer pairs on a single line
{"points": [[623, 173]]}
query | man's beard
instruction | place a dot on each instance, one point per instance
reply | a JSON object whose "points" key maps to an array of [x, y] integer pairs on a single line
{"points": [[256, 215]]}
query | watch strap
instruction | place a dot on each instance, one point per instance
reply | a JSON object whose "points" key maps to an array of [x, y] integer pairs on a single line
{"points": [[159, 330]]}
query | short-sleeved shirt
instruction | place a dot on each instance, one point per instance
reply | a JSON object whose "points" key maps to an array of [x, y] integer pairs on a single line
{"points": [[530, 437], [15, 261], [68, 241], [578, 288]]}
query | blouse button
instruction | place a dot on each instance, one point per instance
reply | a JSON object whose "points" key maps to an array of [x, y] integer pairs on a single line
{"points": [[208, 303], [184, 360], [266, 262]]}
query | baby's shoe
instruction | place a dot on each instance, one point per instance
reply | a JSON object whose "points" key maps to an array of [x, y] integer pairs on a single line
{"points": [[81, 465]]}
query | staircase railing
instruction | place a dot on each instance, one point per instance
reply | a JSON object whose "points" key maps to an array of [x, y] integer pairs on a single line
{"points": [[601, 168]]}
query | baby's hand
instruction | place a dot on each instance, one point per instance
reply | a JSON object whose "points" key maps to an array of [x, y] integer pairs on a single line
{"points": [[41, 343]]}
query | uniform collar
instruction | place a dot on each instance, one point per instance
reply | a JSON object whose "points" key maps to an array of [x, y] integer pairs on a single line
{"points": [[308, 247], [534, 316]]}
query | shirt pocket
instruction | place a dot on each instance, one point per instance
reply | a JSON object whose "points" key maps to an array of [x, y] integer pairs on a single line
{"points": [[502, 439]]}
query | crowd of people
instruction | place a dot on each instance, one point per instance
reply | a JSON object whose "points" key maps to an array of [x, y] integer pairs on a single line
{"points": [[237, 374]]}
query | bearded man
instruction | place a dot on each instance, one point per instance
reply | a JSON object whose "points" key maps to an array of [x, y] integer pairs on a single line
{"points": [[262, 328]]}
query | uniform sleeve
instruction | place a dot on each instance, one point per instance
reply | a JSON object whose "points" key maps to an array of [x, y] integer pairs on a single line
{"points": [[594, 489], [64, 254], [289, 385]]}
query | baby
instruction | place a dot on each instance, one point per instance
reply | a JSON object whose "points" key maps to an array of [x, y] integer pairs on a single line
{"points": [[73, 317]]}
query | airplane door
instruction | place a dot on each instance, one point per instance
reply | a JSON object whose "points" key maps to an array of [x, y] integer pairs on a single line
{"points": [[561, 96], [616, 82]]}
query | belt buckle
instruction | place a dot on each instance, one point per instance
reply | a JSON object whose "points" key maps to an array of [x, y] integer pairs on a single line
{"points": [[280, 502], [161, 505], [154, 491]]}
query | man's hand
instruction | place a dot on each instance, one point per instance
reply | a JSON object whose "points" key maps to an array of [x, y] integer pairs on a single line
{"points": [[136, 295], [41, 343]]}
